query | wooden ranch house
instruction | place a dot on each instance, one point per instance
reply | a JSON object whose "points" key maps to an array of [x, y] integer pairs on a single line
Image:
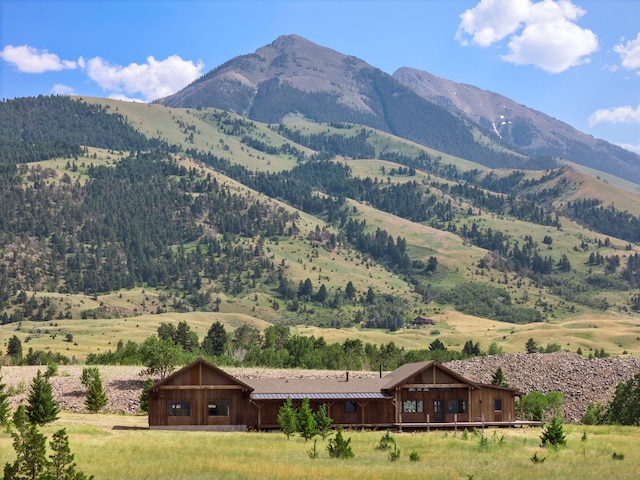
{"points": [[201, 396]]}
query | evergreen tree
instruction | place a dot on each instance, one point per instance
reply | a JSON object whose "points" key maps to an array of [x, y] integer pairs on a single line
{"points": [[323, 421], [30, 447], [41, 406], [338, 447], [624, 408], [144, 396], [14, 349], [96, 396], [350, 291], [215, 341], [498, 378], [437, 345], [61, 466], [287, 418], [553, 435], [4, 403], [185, 337], [531, 346], [306, 421]]}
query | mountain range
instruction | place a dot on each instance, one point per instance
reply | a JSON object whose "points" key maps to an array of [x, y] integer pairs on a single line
{"points": [[299, 187], [296, 77]]}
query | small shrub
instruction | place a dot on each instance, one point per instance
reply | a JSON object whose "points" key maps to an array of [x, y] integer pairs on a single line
{"points": [[338, 447], [618, 456], [52, 370], [484, 441], [465, 434], [414, 456], [537, 459], [553, 434], [394, 454], [313, 452], [386, 442], [594, 414]]}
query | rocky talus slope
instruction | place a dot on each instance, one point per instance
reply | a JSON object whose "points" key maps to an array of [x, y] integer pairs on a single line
{"points": [[581, 380]]}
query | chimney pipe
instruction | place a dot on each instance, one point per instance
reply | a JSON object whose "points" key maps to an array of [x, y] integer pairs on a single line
{"points": [[347, 377], [380, 370]]}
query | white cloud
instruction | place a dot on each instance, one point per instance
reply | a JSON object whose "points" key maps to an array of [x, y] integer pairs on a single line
{"points": [[631, 147], [629, 53], [541, 33], [61, 89], [152, 80], [491, 21], [31, 60], [626, 114]]}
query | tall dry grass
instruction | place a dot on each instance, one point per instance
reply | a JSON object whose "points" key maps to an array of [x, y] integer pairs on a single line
{"points": [[116, 447]]}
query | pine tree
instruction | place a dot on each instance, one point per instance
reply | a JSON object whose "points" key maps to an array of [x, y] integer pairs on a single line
{"points": [[41, 406], [287, 418], [96, 396], [323, 421], [62, 465], [4, 402], [306, 421], [338, 447], [30, 447], [531, 346], [498, 378], [215, 341], [553, 435], [144, 396]]}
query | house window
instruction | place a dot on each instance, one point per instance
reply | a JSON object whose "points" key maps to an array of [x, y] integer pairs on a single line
{"points": [[412, 406], [179, 409], [456, 406], [497, 405], [350, 407], [219, 409]]}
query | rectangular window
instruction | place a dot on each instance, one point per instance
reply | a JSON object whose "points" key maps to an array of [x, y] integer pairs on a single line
{"points": [[350, 407], [412, 406], [497, 405], [179, 409], [456, 406], [219, 409]]}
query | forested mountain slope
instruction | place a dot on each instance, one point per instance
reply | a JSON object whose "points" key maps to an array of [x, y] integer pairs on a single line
{"points": [[330, 225]]}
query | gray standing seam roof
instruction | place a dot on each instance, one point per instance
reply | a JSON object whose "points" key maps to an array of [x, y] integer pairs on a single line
{"points": [[321, 396]]}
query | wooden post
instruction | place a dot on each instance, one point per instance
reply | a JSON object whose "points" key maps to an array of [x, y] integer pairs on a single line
{"points": [[428, 427]]}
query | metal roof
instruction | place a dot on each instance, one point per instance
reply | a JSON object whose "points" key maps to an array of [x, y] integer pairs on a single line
{"points": [[321, 396]]}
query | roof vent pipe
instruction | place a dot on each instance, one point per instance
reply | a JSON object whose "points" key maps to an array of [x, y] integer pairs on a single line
{"points": [[347, 377], [380, 370]]}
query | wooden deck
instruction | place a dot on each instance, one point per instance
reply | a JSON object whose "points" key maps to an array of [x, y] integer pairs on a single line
{"points": [[463, 425], [425, 426]]}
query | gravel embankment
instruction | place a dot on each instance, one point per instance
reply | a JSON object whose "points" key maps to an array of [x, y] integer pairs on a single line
{"points": [[582, 381]]}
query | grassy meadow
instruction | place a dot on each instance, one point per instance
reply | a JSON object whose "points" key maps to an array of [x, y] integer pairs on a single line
{"points": [[116, 447]]}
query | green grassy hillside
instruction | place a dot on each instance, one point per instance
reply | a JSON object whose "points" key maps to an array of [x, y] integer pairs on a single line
{"points": [[582, 301]]}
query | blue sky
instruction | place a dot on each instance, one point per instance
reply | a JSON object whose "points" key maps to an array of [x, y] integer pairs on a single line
{"points": [[578, 61]]}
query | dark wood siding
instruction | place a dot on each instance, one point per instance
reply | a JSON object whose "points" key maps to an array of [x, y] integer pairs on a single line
{"points": [[367, 412]]}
